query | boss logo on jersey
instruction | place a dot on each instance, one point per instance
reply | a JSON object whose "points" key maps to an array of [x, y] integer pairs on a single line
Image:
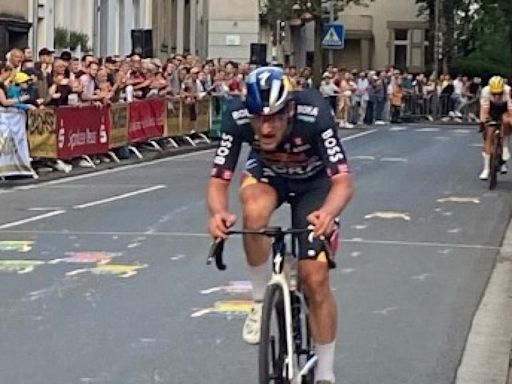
{"points": [[307, 110], [225, 145], [241, 116], [332, 145]]}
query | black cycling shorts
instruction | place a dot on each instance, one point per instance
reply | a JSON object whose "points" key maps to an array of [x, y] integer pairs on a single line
{"points": [[304, 196]]}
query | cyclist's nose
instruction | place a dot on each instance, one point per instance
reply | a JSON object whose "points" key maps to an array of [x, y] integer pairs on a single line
{"points": [[266, 127]]}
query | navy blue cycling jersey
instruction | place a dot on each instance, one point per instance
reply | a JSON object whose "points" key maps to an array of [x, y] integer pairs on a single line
{"points": [[311, 146]]}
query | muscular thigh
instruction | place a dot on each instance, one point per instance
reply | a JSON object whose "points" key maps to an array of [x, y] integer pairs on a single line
{"points": [[310, 197], [507, 123]]}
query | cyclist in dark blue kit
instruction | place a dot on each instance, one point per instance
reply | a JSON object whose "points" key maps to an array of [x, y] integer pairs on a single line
{"points": [[295, 157]]}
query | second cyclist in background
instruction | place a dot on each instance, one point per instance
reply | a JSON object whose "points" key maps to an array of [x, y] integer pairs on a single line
{"points": [[495, 105]]}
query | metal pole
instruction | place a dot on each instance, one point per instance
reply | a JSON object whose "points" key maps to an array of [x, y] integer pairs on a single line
{"points": [[331, 19], [437, 48], [276, 41], [96, 25]]}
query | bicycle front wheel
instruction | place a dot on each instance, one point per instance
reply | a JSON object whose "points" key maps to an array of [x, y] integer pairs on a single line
{"points": [[273, 349], [495, 164]]}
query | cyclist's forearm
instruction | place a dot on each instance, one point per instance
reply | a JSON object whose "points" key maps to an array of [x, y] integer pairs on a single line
{"points": [[342, 190], [218, 198]]}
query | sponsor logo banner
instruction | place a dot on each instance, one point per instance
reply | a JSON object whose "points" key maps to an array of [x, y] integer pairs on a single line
{"points": [[14, 154], [118, 135], [148, 120], [41, 133], [82, 131]]}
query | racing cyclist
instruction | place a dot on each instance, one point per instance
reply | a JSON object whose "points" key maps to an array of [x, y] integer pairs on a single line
{"points": [[295, 157], [495, 105]]}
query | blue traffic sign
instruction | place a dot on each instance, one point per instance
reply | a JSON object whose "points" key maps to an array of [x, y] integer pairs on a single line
{"points": [[334, 36]]}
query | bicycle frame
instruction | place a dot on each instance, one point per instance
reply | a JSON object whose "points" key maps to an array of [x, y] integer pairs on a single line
{"points": [[281, 279]]}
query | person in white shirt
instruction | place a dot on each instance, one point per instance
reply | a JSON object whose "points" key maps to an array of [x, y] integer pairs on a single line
{"points": [[362, 97]]}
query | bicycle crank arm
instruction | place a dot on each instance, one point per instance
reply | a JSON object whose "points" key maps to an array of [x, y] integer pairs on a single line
{"points": [[308, 367]]}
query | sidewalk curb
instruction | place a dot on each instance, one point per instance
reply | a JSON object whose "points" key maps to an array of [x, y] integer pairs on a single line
{"points": [[487, 354], [149, 156]]}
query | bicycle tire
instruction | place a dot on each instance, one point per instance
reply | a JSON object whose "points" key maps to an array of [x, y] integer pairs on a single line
{"points": [[495, 164], [309, 378], [271, 359]]}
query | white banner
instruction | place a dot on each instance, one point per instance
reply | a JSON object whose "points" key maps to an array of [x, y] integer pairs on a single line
{"points": [[14, 153]]}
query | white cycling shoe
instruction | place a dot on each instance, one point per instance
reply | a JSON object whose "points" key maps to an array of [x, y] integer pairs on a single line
{"points": [[506, 153], [484, 175], [252, 326], [504, 169]]}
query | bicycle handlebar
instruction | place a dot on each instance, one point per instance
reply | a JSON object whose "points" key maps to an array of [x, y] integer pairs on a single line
{"points": [[217, 247]]}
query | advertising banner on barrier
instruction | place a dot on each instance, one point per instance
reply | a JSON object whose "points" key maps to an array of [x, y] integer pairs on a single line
{"points": [[148, 120], [82, 131], [173, 117], [196, 117], [118, 135], [14, 155], [42, 136]]}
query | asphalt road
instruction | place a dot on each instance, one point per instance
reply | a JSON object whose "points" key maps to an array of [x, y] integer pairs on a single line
{"points": [[103, 276]]}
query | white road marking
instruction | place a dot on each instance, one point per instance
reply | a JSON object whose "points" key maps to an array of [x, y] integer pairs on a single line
{"points": [[44, 209], [428, 130], [206, 236], [389, 215], [109, 171], [359, 135], [456, 199], [394, 159], [119, 197], [385, 311], [31, 219]]}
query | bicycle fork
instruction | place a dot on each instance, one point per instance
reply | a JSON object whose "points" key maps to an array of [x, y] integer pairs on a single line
{"points": [[290, 368]]}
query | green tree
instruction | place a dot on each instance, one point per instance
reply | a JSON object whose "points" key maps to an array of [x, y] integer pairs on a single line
{"points": [[282, 10]]}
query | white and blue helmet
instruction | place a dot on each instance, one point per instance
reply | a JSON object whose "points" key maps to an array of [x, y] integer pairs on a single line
{"points": [[268, 91]]}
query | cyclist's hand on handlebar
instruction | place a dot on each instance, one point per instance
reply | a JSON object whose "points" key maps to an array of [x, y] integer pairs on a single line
{"points": [[220, 224], [322, 221]]}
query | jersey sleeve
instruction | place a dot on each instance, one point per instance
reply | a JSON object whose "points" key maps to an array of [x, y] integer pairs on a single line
{"points": [[328, 143], [235, 122]]}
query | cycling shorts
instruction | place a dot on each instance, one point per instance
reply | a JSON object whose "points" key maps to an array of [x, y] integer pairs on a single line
{"points": [[304, 196]]}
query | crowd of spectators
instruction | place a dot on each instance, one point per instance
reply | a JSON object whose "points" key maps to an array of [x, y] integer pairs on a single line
{"points": [[357, 97]]}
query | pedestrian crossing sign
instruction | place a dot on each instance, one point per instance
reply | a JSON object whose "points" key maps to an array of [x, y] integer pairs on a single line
{"points": [[334, 36]]}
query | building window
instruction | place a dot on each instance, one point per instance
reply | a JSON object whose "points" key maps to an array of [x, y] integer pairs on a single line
{"points": [[401, 35], [401, 48]]}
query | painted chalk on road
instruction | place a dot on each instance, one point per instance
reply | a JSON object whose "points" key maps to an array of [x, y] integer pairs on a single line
{"points": [[19, 266], [120, 270], [16, 245], [87, 257], [226, 308]]}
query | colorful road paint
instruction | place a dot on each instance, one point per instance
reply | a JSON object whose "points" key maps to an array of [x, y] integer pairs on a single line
{"points": [[120, 270], [232, 287], [226, 308], [87, 257], [19, 266], [16, 245]]}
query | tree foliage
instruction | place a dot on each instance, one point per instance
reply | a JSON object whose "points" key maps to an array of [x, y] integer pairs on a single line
{"points": [[282, 10], [477, 34]]}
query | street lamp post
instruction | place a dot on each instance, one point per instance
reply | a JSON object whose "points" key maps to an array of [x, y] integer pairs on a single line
{"points": [[437, 40], [331, 19]]}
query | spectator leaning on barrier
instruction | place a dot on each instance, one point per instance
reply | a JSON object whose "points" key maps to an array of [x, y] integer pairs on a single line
{"points": [[88, 85], [20, 90], [5, 74]]}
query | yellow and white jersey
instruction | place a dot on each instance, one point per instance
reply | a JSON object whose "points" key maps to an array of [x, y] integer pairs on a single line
{"points": [[486, 98]]}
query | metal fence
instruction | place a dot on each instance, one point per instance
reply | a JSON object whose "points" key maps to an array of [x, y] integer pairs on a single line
{"points": [[443, 107]]}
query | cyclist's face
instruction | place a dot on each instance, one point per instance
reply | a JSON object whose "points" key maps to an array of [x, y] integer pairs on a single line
{"points": [[271, 129], [496, 96]]}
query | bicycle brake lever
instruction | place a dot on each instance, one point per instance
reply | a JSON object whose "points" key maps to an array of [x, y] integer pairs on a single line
{"points": [[216, 251]]}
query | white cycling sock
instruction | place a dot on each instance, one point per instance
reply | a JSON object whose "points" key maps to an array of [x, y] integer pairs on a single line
{"points": [[324, 369], [260, 276]]}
